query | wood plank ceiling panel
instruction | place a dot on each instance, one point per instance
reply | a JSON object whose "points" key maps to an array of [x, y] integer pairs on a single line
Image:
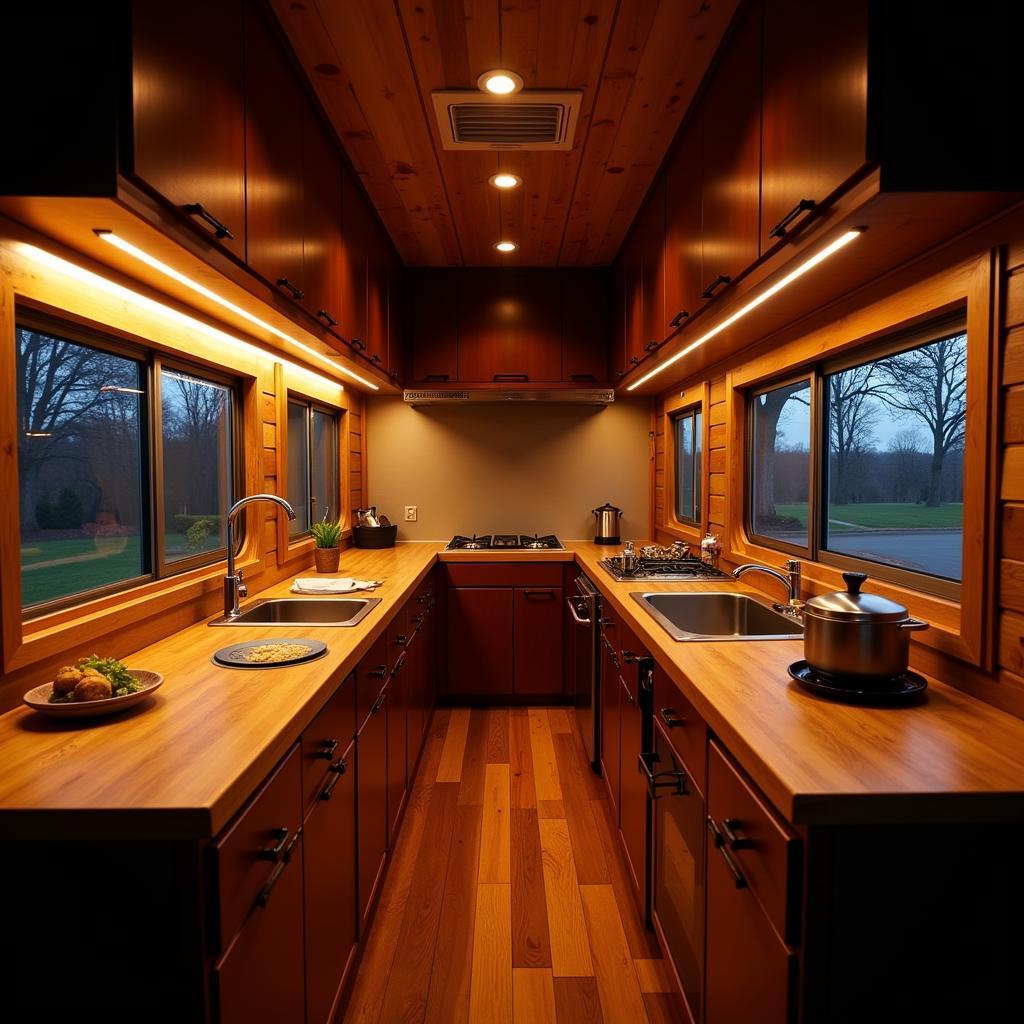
{"points": [[375, 63]]}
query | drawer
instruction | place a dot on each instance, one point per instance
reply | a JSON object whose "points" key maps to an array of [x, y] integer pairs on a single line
{"points": [[371, 675], [326, 738], [685, 729], [504, 574], [247, 852], [751, 834]]}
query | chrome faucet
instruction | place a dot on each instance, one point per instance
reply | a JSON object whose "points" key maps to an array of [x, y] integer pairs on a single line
{"points": [[791, 580], [234, 584]]}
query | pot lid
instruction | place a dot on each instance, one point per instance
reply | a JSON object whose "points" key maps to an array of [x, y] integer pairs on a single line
{"points": [[607, 507], [851, 605]]}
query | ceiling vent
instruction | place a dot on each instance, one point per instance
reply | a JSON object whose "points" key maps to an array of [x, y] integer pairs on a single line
{"points": [[525, 121]]}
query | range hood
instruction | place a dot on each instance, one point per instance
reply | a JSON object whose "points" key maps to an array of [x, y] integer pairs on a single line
{"points": [[491, 396]]}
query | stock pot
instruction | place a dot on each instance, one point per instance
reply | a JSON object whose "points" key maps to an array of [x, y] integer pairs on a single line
{"points": [[857, 636]]}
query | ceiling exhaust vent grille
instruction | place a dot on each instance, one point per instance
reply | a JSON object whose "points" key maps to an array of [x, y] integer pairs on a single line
{"points": [[526, 121]]}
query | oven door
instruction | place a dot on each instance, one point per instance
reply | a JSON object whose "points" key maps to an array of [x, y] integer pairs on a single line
{"points": [[678, 868]]}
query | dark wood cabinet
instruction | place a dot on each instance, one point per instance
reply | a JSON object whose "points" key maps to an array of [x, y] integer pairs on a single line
{"points": [[480, 640], [585, 313], [321, 236], [632, 299], [395, 708], [435, 324], [372, 802], [651, 231], [538, 632], [632, 782], [814, 136], [355, 226], [380, 281], [188, 111], [683, 266], [611, 699], [326, 738], [618, 342]]}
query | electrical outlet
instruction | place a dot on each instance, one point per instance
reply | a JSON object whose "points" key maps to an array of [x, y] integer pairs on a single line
{"points": [[412, 513]]}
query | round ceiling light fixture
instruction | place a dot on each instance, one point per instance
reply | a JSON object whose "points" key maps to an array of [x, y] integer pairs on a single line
{"points": [[500, 82], [506, 246], [505, 180]]}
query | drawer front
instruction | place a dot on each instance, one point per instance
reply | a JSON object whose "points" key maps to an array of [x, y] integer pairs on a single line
{"points": [[756, 840], [249, 850], [504, 574], [371, 675], [326, 738], [686, 730]]}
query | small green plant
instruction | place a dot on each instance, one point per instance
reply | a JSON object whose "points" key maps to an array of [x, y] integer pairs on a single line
{"points": [[326, 534]]}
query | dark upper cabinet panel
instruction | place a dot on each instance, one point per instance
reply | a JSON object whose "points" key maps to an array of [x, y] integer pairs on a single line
{"points": [[815, 104], [683, 273], [435, 322], [651, 230], [633, 299], [273, 142], [188, 120], [321, 237], [355, 224], [585, 312]]}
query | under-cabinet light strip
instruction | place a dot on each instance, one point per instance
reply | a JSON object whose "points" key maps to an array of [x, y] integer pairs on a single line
{"points": [[200, 289], [758, 300], [103, 284]]}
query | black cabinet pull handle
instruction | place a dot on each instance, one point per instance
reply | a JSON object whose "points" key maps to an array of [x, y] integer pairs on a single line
{"points": [[719, 840], [804, 206], [376, 359], [582, 377], [379, 672], [326, 317], [498, 377], [274, 852], [678, 318], [634, 360], [674, 778], [717, 283], [670, 718], [357, 344], [439, 377], [629, 658], [651, 345], [546, 594], [620, 374], [327, 751], [401, 640], [731, 828], [220, 229], [337, 770], [292, 289], [264, 896]]}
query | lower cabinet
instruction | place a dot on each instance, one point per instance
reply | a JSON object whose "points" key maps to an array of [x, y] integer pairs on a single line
{"points": [[395, 710], [633, 785], [480, 640], [611, 700], [537, 632], [372, 802]]}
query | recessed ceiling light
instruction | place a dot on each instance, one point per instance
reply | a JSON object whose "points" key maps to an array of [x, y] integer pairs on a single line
{"points": [[506, 246], [500, 82], [505, 180]]}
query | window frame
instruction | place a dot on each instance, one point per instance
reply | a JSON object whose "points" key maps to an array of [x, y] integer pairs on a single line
{"points": [[310, 405], [695, 414]]}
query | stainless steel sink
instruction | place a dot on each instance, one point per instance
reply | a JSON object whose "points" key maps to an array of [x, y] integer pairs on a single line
{"points": [[288, 611], [718, 616]]}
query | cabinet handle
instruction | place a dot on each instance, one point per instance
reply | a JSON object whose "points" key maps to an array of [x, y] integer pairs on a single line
{"points": [[326, 317], [379, 672], [376, 359], [357, 344], [581, 377], [401, 640], [337, 770], [629, 658], [440, 378], [293, 290], [717, 283], [220, 229], [731, 828], [651, 345], [620, 374], [418, 619], [678, 318], [377, 705], [674, 778], [670, 718], [327, 751], [398, 665], [264, 897], [548, 595], [498, 377], [634, 360], [274, 852], [719, 841], [804, 206]]}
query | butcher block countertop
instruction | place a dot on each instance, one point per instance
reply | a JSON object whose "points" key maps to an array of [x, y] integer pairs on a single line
{"points": [[181, 764]]}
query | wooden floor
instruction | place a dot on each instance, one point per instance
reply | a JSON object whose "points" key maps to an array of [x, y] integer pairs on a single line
{"points": [[507, 899]]}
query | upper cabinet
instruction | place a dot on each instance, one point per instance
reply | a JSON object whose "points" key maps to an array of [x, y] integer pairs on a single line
{"points": [[434, 302], [683, 267], [585, 312], [355, 222], [322, 243], [188, 121]]}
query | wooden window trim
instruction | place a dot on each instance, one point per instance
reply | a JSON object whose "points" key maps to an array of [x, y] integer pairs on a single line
{"points": [[962, 629], [697, 397]]}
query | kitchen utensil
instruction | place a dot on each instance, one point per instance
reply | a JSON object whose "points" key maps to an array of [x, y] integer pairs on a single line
{"points": [[902, 689], [367, 516], [234, 656], [608, 517], [628, 558], [39, 699], [856, 637], [383, 521]]}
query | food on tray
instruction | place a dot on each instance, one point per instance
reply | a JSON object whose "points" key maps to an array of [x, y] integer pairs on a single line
{"points": [[92, 678], [264, 653]]}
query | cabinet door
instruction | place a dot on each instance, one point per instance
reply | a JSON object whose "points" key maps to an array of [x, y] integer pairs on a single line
{"points": [[815, 104], [377, 256], [510, 328], [274, 212], [683, 274], [372, 802], [326, 738], [371, 675], [355, 227], [435, 327], [633, 299], [619, 342], [329, 866], [396, 719], [633, 786], [611, 690], [730, 120], [652, 269], [585, 312], [480, 640], [188, 112], [395, 357], [538, 640], [321, 242]]}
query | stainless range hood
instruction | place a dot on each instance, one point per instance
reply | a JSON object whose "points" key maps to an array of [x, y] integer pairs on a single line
{"points": [[465, 396]]}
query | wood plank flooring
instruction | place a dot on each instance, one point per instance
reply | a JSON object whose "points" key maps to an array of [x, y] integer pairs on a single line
{"points": [[507, 899]]}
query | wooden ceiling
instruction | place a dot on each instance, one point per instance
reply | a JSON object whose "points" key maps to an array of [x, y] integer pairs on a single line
{"points": [[375, 63]]}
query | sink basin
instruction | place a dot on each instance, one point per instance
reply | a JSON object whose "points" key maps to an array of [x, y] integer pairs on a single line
{"points": [[718, 616], [288, 611]]}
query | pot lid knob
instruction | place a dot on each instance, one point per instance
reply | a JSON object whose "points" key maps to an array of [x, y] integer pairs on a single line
{"points": [[607, 507], [854, 581]]}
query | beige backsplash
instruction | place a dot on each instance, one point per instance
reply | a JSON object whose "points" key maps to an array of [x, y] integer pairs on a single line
{"points": [[492, 468]]}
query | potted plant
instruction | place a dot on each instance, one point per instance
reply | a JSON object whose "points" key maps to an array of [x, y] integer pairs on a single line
{"points": [[326, 553]]}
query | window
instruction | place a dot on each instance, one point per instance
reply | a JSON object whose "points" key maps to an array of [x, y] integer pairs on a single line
{"points": [[89, 437], [313, 484], [879, 479], [689, 446]]}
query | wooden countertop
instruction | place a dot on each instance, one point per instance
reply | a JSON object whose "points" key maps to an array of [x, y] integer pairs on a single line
{"points": [[950, 758], [180, 765]]}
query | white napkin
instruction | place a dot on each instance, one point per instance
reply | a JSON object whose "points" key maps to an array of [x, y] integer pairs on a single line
{"points": [[312, 585]]}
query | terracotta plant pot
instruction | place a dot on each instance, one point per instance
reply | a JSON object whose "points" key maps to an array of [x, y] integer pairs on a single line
{"points": [[326, 559]]}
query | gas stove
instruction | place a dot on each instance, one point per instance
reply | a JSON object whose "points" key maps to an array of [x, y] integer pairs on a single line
{"points": [[663, 570], [505, 542]]}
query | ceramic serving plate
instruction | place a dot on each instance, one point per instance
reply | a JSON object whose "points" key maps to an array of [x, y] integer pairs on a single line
{"points": [[39, 699]]}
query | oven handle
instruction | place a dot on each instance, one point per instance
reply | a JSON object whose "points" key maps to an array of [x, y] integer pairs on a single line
{"points": [[675, 779], [572, 608]]}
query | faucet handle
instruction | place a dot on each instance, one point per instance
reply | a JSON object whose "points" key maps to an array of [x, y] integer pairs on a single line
{"points": [[243, 590]]}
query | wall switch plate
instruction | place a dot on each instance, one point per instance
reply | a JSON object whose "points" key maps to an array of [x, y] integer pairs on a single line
{"points": [[411, 513]]}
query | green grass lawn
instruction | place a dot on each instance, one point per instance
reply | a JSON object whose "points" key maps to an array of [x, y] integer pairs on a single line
{"points": [[884, 516]]}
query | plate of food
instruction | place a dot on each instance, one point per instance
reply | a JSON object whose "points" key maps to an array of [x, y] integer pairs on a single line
{"points": [[92, 686], [272, 653]]}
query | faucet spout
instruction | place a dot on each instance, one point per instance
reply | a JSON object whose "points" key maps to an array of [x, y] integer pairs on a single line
{"points": [[791, 579], [233, 585]]}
